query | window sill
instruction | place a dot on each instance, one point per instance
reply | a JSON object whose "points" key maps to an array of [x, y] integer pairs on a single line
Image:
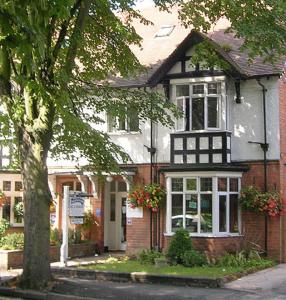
{"points": [[16, 225], [207, 235], [124, 133], [201, 131]]}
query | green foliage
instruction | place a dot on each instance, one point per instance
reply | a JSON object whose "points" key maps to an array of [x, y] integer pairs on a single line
{"points": [[4, 225], [251, 199], [206, 54], [55, 237], [254, 21], [244, 259], [19, 209], [179, 244], [193, 258], [150, 196], [13, 241], [149, 256]]}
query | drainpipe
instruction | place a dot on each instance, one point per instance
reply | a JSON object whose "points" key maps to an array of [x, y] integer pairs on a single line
{"points": [[264, 147]]}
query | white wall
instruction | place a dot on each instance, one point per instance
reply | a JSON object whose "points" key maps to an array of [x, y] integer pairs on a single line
{"points": [[246, 120]]}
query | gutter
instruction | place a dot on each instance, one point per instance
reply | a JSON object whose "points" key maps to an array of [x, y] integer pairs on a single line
{"points": [[265, 147]]}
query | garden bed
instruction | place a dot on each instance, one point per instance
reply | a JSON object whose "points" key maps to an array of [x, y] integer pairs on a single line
{"points": [[132, 266], [13, 259]]}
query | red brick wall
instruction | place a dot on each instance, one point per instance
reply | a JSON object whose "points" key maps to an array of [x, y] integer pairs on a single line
{"points": [[14, 258], [214, 247], [253, 225], [138, 233], [282, 110], [97, 231]]}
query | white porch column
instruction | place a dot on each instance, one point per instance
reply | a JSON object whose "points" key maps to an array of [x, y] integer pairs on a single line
{"points": [[94, 182], [128, 180], [169, 205], [83, 180], [52, 181]]}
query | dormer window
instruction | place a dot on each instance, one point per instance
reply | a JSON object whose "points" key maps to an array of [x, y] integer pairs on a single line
{"points": [[165, 30], [201, 106]]}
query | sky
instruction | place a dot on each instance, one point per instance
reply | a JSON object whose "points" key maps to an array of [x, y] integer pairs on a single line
{"points": [[144, 3]]}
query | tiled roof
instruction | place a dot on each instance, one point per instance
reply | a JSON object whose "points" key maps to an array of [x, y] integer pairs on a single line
{"points": [[158, 51]]}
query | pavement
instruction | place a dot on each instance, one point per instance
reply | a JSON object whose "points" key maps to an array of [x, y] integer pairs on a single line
{"points": [[269, 284]]}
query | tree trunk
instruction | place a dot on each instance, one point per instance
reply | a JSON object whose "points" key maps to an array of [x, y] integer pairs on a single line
{"points": [[37, 197]]}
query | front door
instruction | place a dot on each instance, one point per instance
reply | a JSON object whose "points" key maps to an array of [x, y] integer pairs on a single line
{"points": [[115, 216]]}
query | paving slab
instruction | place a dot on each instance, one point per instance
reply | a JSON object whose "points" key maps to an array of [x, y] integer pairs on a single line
{"points": [[264, 280]]}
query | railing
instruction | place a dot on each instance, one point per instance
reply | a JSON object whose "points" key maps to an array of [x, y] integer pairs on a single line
{"points": [[200, 148]]}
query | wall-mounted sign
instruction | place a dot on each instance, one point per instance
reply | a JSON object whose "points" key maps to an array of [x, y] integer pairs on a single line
{"points": [[129, 221], [76, 207], [76, 221], [98, 212], [136, 212], [53, 218]]}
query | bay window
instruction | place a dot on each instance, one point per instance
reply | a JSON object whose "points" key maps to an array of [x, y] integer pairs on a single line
{"points": [[200, 104], [204, 205]]}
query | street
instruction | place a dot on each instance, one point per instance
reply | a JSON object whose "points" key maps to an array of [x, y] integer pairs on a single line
{"points": [[129, 291]]}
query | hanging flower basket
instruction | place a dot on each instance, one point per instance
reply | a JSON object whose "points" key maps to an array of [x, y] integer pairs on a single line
{"points": [[2, 199], [269, 203], [148, 196]]}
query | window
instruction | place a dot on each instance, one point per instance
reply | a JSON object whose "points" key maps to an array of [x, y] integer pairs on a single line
{"points": [[12, 207], [128, 123], [18, 218], [200, 104], [165, 30], [18, 186], [6, 151], [6, 186], [204, 205]]}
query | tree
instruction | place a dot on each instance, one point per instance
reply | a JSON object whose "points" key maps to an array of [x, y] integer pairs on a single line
{"points": [[260, 23], [54, 55]]}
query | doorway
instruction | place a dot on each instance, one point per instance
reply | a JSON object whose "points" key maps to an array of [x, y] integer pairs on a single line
{"points": [[115, 216]]}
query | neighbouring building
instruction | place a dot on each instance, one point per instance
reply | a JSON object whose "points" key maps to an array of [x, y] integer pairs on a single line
{"points": [[218, 147]]}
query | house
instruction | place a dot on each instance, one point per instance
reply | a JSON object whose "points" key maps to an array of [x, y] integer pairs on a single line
{"points": [[232, 135]]}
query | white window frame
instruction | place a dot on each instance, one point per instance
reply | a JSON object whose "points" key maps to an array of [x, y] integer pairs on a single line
{"points": [[215, 200], [115, 129], [12, 194], [221, 100]]}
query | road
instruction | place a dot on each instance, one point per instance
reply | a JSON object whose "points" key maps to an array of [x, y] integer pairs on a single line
{"points": [[130, 291]]}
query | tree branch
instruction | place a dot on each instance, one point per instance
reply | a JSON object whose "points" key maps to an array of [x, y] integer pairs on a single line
{"points": [[78, 30], [64, 29]]}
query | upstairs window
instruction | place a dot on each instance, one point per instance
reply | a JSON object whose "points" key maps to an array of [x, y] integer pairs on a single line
{"points": [[127, 123], [201, 106], [165, 30]]}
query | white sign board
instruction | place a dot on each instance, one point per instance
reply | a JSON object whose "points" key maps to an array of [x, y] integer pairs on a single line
{"points": [[76, 221], [76, 208], [136, 212]]}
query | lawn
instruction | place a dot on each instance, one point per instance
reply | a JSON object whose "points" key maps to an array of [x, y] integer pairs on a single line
{"points": [[205, 271]]}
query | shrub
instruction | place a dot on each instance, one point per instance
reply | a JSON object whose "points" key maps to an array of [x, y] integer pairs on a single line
{"points": [[13, 241], [55, 237], [243, 259], [148, 256], [194, 258], [180, 243], [4, 225]]}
